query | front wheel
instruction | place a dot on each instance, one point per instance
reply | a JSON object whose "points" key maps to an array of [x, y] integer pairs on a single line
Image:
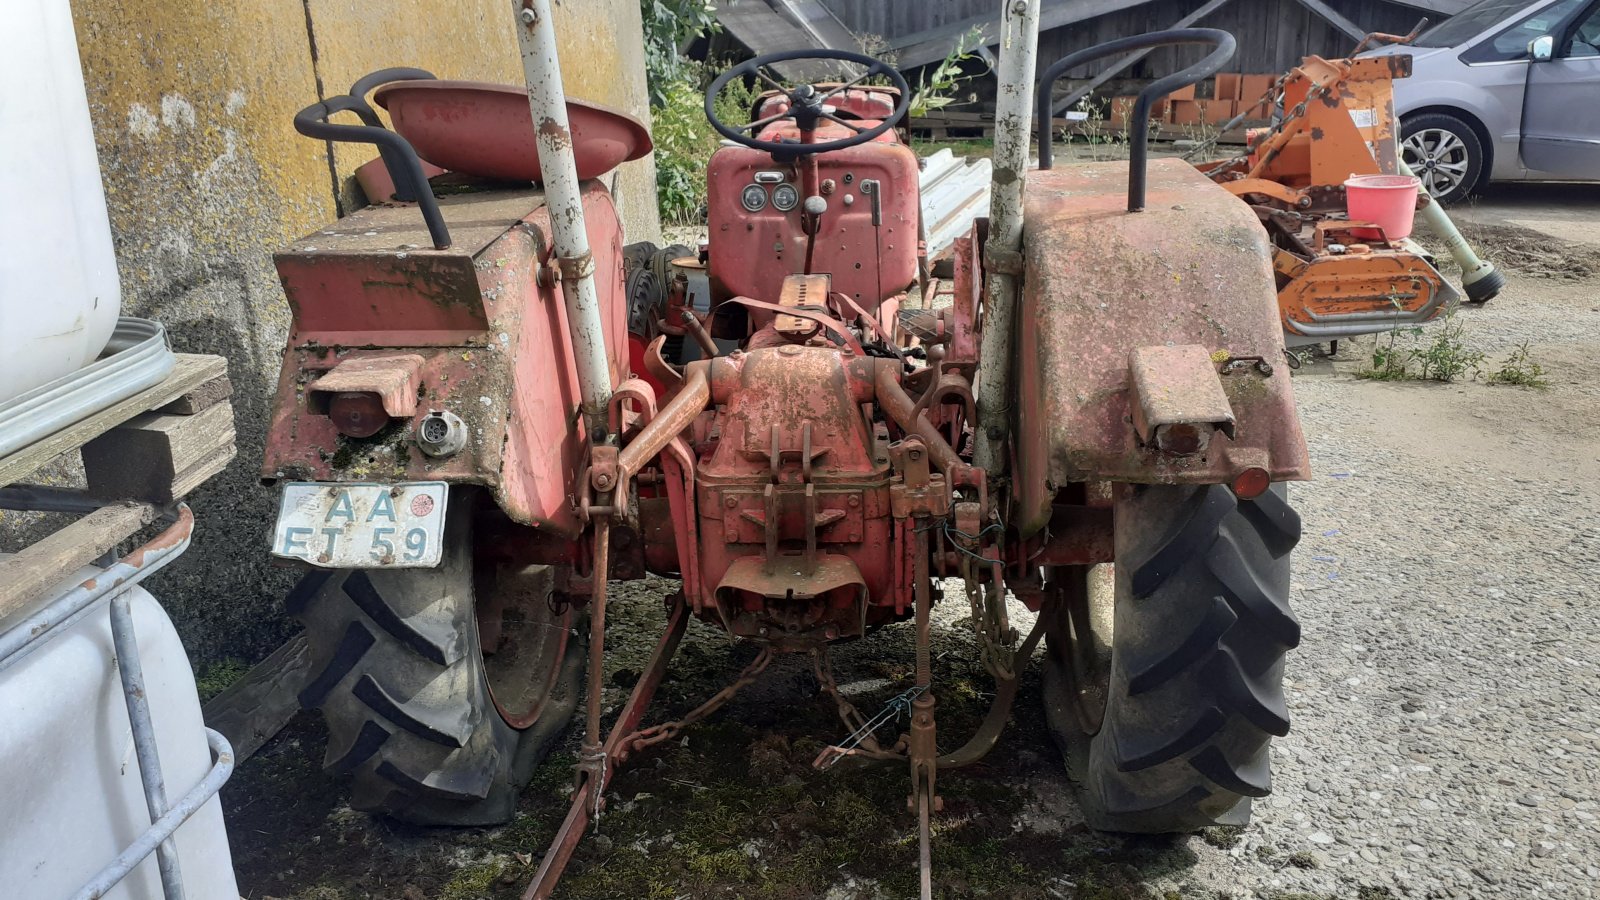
{"points": [[1445, 153], [442, 688], [1165, 686]]}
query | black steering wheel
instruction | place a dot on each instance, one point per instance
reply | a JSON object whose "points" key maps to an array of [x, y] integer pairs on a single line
{"points": [[807, 103]]}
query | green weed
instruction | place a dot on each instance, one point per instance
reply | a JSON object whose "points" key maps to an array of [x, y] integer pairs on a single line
{"points": [[1520, 369], [1447, 357], [217, 677]]}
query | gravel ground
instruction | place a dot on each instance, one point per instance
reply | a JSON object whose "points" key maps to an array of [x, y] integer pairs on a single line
{"points": [[1446, 734]]}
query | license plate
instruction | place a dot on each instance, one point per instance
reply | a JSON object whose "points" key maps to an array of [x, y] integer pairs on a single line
{"points": [[362, 526]]}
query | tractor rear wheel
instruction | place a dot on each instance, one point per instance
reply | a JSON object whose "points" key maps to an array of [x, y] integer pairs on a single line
{"points": [[1165, 690], [442, 688]]}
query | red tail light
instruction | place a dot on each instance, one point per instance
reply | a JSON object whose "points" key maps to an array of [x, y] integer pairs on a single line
{"points": [[357, 414]]}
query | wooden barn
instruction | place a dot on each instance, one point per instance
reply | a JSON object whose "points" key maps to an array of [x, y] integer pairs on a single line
{"points": [[1273, 34]]}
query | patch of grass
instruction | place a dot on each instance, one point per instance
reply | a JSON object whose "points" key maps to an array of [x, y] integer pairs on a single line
{"points": [[1304, 859], [1223, 837], [1520, 369], [472, 882], [1369, 892], [214, 678]]}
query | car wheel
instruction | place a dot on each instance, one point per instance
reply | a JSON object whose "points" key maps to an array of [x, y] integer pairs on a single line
{"points": [[1444, 152]]}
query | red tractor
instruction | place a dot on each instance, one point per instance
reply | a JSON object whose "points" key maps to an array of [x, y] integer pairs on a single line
{"points": [[1080, 382]]}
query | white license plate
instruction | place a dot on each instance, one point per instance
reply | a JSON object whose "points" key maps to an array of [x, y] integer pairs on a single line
{"points": [[362, 526]]}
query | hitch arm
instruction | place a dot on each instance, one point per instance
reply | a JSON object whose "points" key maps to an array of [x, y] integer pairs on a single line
{"points": [[678, 414]]}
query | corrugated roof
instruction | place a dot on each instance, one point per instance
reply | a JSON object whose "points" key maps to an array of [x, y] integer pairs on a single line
{"points": [[775, 26]]}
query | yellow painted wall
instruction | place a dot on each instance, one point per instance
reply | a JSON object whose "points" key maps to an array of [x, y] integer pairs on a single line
{"points": [[205, 177]]}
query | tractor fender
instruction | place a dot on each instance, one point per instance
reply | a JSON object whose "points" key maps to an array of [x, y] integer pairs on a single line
{"points": [[1132, 323]]}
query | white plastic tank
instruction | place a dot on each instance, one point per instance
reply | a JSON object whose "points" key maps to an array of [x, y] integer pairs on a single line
{"points": [[59, 296], [70, 794]]}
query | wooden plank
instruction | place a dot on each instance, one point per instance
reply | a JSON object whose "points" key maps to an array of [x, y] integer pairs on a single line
{"points": [[1126, 61], [41, 565], [257, 706], [202, 471], [212, 392], [144, 458], [1335, 18], [190, 372]]}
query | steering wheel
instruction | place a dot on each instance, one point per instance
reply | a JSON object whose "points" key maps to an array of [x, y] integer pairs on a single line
{"points": [[807, 103]]}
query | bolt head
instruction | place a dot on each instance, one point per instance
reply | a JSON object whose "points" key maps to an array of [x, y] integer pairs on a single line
{"points": [[528, 16]]}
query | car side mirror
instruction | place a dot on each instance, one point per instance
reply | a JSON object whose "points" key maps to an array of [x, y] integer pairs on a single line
{"points": [[1541, 48]]}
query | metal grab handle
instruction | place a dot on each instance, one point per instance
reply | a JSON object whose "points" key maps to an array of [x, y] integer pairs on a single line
{"points": [[403, 191], [1139, 117], [405, 168]]}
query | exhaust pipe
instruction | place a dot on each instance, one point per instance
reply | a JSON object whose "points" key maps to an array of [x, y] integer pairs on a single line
{"points": [[1480, 278], [547, 99]]}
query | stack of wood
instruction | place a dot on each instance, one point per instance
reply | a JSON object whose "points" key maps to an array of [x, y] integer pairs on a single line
{"points": [[148, 450], [1229, 95]]}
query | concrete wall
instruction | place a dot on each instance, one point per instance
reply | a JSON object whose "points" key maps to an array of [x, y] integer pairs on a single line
{"points": [[205, 177]]}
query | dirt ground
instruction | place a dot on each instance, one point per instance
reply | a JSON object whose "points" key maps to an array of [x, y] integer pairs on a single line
{"points": [[1446, 734]]}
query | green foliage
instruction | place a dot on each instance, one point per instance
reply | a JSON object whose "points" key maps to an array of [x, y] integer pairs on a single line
{"points": [[1520, 369], [668, 25], [1447, 357], [684, 140], [219, 676], [935, 88]]}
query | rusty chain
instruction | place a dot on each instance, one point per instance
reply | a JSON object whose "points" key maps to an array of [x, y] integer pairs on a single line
{"points": [[656, 734], [867, 746]]}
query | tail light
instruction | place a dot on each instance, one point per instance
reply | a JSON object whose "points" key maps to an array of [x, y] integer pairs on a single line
{"points": [[357, 414]]}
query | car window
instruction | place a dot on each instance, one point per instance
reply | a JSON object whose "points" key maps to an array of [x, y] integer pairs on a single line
{"points": [[1469, 23], [1585, 37], [1512, 42]]}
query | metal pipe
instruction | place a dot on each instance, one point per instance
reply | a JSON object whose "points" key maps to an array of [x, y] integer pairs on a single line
{"points": [[684, 407], [29, 634], [1480, 278], [408, 175], [1019, 45], [547, 100], [145, 750], [48, 498], [897, 404], [1139, 116], [163, 828]]}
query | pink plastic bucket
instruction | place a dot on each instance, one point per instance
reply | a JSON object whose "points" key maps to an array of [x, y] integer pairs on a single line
{"points": [[1388, 201]]}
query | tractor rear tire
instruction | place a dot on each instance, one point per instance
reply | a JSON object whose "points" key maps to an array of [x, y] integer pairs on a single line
{"points": [[400, 677], [1174, 736]]}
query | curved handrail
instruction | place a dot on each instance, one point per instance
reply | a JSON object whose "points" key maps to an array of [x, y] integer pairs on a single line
{"points": [[405, 168], [1139, 116]]}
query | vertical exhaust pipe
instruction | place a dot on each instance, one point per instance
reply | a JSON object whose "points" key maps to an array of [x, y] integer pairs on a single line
{"points": [[547, 99], [1480, 278], [1002, 257]]}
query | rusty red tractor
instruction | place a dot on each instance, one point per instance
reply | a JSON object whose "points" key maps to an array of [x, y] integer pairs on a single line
{"points": [[1091, 377]]}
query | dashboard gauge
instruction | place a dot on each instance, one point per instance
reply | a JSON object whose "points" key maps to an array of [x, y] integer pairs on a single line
{"points": [[754, 197], [785, 197]]}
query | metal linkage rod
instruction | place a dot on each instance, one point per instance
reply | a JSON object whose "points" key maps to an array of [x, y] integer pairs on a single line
{"points": [[1013, 114], [547, 99]]}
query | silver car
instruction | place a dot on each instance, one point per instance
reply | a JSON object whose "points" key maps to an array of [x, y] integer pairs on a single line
{"points": [[1505, 90]]}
